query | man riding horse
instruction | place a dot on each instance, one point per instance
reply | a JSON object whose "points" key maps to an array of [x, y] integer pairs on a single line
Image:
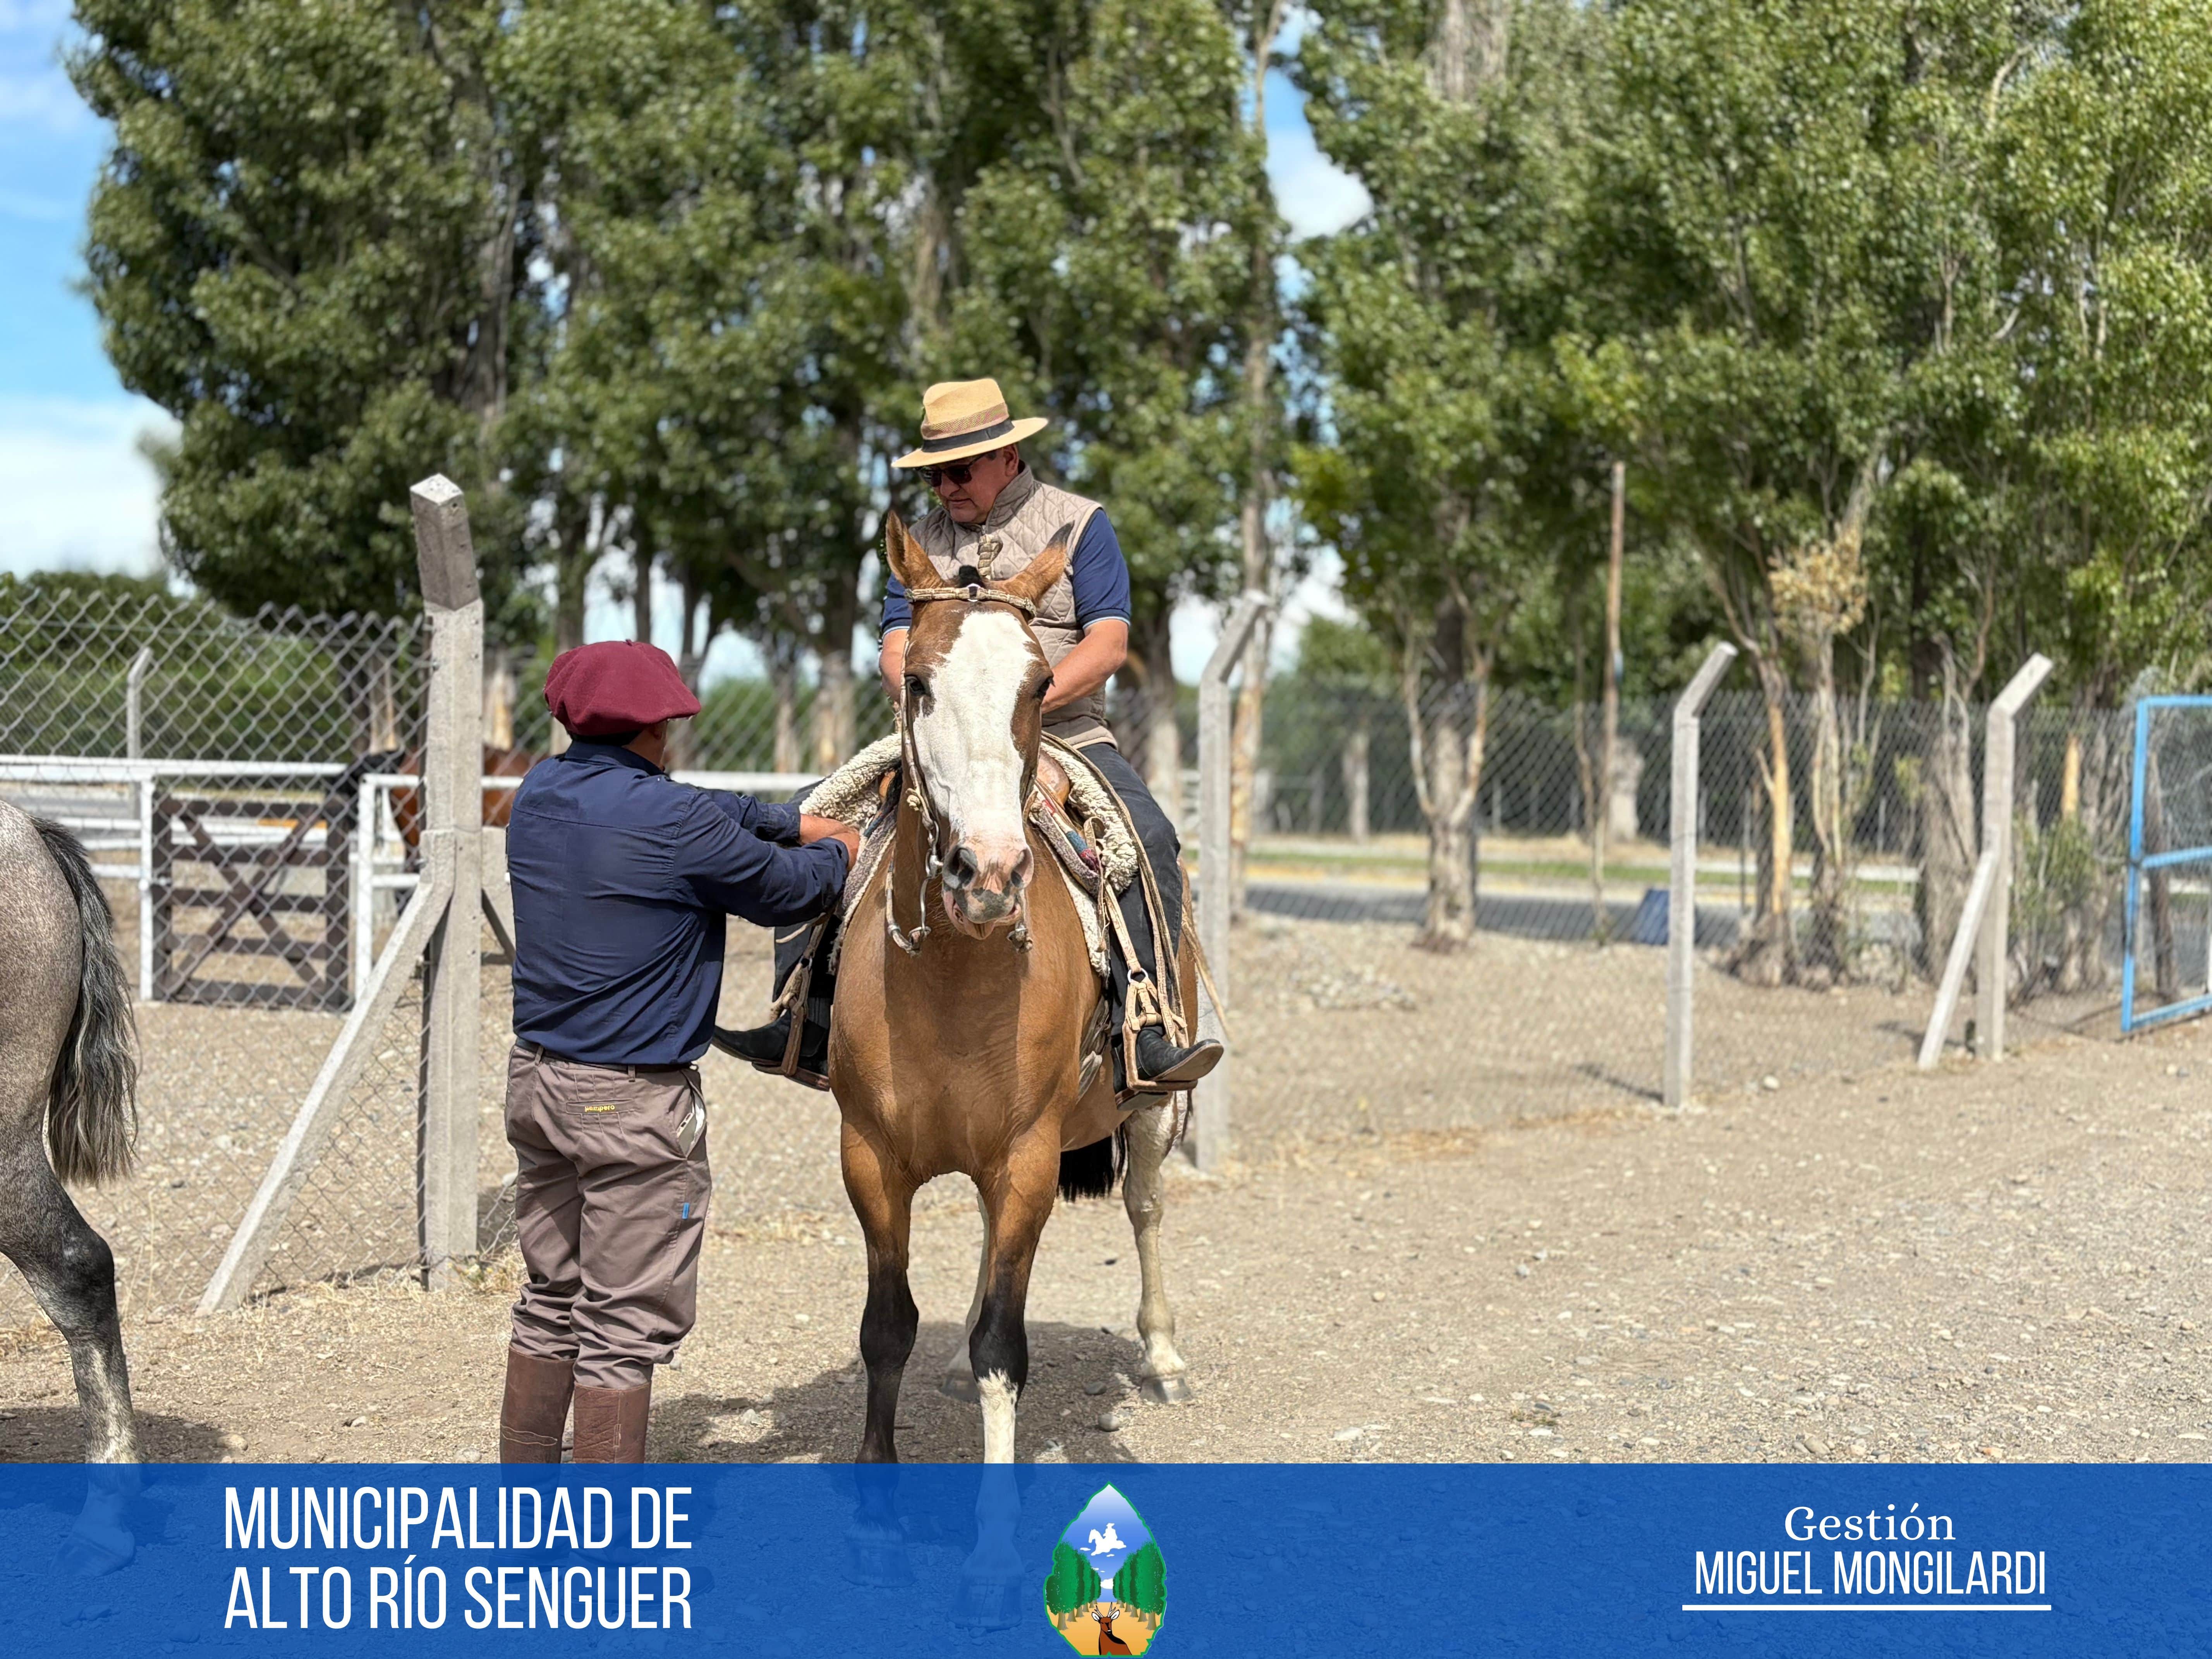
{"points": [[993, 517]]}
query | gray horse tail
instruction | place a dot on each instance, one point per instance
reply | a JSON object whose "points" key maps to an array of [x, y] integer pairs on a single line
{"points": [[92, 1111]]}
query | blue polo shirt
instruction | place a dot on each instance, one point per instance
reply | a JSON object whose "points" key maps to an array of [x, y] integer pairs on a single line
{"points": [[622, 878]]}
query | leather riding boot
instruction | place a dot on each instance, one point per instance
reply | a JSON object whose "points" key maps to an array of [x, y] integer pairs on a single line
{"points": [[611, 1424], [536, 1406], [764, 1045], [1163, 1068]]}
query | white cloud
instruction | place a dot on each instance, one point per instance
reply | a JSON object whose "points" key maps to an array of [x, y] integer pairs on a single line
{"points": [[1315, 196], [80, 494]]}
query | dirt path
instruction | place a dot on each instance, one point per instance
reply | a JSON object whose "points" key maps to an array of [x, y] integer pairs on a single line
{"points": [[1984, 1263]]}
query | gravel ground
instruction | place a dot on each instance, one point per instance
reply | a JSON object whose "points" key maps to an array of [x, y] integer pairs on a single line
{"points": [[1459, 1230]]}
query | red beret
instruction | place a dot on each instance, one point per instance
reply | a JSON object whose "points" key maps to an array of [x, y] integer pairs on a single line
{"points": [[615, 687]]}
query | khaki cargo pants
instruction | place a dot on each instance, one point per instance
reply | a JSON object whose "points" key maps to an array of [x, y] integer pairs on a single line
{"points": [[610, 1198]]}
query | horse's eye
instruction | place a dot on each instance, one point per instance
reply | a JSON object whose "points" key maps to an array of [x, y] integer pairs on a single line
{"points": [[917, 688], [1043, 686]]}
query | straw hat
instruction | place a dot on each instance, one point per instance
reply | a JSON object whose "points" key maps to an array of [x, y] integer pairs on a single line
{"points": [[965, 418]]}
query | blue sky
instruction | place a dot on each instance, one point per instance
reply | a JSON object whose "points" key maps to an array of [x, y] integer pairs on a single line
{"points": [[80, 494]]}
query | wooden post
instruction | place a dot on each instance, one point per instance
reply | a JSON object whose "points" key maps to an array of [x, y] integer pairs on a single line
{"points": [[1357, 788], [1682, 875], [1209, 1140], [452, 837], [1997, 844]]}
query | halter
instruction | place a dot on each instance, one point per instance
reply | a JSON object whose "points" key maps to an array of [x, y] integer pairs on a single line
{"points": [[917, 786]]}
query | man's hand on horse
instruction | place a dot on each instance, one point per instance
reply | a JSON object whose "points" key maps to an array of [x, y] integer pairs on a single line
{"points": [[813, 828]]}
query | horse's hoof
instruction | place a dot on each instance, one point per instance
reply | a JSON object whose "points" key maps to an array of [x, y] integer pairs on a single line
{"points": [[990, 1604], [91, 1550], [1166, 1390], [876, 1560], [959, 1385]]}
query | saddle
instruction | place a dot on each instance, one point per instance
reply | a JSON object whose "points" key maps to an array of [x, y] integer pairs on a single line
{"points": [[1089, 836], [1095, 849]]}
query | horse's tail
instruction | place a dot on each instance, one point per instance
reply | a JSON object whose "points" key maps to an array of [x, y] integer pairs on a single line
{"points": [[1095, 1171], [91, 1112]]}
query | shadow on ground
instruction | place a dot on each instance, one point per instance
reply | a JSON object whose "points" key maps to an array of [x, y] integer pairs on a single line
{"points": [[820, 1420], [55, 1434]]}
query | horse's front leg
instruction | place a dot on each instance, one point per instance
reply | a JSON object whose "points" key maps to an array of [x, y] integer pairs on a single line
{"points": [[883, 1197], [1144, 1195], [1019, 1201]]}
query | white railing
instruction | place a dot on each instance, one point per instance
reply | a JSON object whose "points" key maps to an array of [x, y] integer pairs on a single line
{"points": [[379, 858]]}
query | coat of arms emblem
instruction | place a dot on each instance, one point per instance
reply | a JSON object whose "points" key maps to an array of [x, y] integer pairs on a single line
{"points": [[1107, 1589]]}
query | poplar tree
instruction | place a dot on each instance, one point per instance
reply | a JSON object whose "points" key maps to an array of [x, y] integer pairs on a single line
{"points": [[1109, 262], [304, 245], [1438, 456]]}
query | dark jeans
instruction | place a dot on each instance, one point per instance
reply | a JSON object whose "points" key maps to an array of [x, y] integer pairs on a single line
{"points": [[1163, 850]]}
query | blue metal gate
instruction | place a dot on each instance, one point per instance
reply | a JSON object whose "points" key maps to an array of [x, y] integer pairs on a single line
{"points": [[2142, 863]]}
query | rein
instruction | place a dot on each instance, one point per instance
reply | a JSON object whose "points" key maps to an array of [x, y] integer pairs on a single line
{"points": [[917, 789]]}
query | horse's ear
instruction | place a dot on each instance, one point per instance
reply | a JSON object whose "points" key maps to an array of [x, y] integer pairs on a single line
{"points": [[905, 557], [1042, 572]]}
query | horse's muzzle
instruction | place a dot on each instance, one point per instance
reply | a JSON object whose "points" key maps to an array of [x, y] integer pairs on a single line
{"points": [[984, 894]]}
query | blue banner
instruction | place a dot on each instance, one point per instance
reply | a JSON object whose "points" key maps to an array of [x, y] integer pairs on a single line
{"points": [[821, 1560]]}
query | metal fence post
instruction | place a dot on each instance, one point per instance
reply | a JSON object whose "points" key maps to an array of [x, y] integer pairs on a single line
{"points": [[1682, 874], [1209, 1141], [452, 814], [134, 688], [1997, 843]]}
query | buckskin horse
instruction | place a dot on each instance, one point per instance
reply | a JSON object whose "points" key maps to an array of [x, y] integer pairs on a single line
{"points": [[67, 1082], [957, 1048]]}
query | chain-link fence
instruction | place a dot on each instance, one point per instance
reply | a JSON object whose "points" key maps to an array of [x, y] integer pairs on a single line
{"points": [[233, 780], [1859, 880], [213, 767]]}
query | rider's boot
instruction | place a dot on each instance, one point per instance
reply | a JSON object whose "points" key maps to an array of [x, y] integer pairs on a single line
{"points": [[1163, 1068], [765, 1046]]}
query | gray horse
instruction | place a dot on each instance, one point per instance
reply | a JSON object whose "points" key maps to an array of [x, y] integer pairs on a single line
{"points": [[67, 1081]]}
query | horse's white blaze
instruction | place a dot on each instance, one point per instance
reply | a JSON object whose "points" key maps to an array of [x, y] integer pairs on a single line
{"points": [[998, 1396], [965, 738]]}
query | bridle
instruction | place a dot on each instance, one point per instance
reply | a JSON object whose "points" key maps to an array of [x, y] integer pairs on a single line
{"points": [[917, 784]]}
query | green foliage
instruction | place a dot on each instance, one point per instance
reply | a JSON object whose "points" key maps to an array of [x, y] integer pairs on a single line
{"points": [[1111, 257], [299, 247], [666, 282]]}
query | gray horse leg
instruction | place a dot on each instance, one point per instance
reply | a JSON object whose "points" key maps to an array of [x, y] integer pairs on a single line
{"points": [[71, 1272]]}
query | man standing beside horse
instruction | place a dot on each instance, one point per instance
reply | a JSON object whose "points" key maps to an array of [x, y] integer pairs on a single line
{"points": [[622, 878], [994, 516]]}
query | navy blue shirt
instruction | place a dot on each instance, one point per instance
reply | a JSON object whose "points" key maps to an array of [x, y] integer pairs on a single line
{"points": [[622, 878], [1098, 573]]}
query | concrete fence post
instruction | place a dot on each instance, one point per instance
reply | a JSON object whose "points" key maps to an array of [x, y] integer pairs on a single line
{"points": [[1997, 774], [1208, 1146], [453, 817], [1986, 920], [134, 712], [1682, 875]]}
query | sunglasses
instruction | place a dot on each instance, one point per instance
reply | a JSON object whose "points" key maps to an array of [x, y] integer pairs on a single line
{"points": [[952, 472]]}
